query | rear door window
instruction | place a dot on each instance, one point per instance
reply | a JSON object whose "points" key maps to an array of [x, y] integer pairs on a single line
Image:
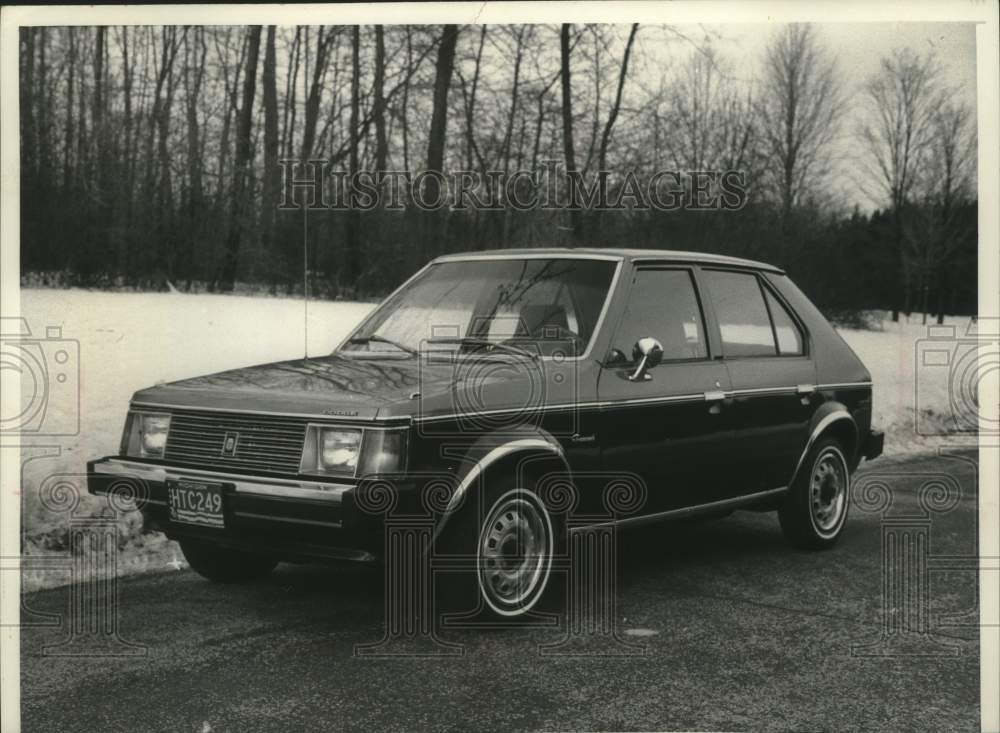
{"points": [[744, 324]]}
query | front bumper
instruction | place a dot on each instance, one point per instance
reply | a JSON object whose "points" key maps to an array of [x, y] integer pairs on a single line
{"points": [[874, 442], [293, 520]]}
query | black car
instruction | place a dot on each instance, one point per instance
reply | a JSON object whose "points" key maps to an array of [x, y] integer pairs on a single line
{"points": [[708, 382]]}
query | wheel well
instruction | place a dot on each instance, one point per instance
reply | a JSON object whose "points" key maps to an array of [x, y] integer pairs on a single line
{"points": [[846, 434], [533, 463]]}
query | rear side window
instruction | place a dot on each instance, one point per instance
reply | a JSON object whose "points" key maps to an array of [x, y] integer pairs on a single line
{"points": [[663, 305], [742, 314], [787, 332]]}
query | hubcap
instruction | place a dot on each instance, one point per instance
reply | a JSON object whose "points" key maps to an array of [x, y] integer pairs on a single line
{"points": [[514, 553], [828, 491]]}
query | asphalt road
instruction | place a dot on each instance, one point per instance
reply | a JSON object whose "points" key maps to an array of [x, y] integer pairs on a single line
{"points": [[736, 632]]}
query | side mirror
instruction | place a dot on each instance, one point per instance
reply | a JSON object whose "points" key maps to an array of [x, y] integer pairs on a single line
{"points": [[648, 352]]}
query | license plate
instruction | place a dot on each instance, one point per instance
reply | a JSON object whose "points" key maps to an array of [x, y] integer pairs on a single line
{"points": [[195, 502]]}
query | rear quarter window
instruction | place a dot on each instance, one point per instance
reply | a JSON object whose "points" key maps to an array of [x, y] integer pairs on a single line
{"points": [[786, 330]]}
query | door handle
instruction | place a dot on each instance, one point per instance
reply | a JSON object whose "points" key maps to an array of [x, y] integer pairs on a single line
{"points": [[805, 393], [715, 400]]}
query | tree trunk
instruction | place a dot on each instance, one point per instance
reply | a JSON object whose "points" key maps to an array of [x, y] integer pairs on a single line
{"points": [[312, 101], [443, 69], [381, 145], [241, 165], [616, 106], [70, 88], [272, 183], [442, 82], [194, 69], [165, 196], [602, 155], [470, 109], [353, 263], [576, 222], [291, 86], [29, 143], [192, 93], [42, 95], [405, 103]]}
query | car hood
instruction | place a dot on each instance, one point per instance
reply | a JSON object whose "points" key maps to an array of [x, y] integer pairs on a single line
{"points": [[363, 389]]}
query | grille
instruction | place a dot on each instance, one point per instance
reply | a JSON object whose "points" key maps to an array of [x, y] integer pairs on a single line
{"points": [[265, 443]]}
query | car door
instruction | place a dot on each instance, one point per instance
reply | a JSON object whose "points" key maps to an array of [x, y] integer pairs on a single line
{"points": [[670, 427], [765, 349]]}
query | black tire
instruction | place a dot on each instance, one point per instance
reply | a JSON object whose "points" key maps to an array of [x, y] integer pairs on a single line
{"points": [[511, 539], [223, 565], [815, 510]]}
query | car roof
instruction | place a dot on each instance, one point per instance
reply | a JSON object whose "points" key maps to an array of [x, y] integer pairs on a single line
{"points": [[616, 253]]}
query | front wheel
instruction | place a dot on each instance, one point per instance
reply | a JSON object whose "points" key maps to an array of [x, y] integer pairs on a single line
{"points": [[222, 565], [511, 541], [815, 510]]}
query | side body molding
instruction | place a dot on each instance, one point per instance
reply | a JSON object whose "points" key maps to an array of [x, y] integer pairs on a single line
{"points": [[528, 444], [836, 413]]}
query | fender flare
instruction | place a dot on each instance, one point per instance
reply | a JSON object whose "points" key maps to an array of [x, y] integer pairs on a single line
{"points": [[488, 451], [827, 415]]}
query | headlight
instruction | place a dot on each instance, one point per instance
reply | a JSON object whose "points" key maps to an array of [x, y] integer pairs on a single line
{"points": [[331, 450], [339, 449], [145, 434], [352, 451]]}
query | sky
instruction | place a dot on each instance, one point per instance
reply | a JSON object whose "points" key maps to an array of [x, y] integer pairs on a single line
{"points": [[859, 47]]}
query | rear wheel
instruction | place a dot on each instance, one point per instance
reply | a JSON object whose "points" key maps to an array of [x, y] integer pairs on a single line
{"points": [[815, 510], [223, 565]]}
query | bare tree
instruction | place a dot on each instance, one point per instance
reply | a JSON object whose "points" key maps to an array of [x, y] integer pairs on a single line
{"points": [[469, 92], [378, 109], [709, 122], [901, 98], [800, 105], [569, 154], [29, 145], [443, 69], [353, 269], [241, 165], [70, 88], [616, 105], [272, 182], [325, 43], [933, 228], [44, 122]]}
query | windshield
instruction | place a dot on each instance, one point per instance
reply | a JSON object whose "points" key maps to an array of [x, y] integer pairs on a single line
{"points": [[540, 306]]}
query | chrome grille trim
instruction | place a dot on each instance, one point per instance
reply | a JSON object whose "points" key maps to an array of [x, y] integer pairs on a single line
{"points": [[266, 443]]}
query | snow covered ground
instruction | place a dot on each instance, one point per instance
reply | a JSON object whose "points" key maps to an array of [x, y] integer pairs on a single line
{"points": [[127, 341]]}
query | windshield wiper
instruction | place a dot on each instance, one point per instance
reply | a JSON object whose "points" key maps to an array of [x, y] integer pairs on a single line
{"points": [[475, 341], [382, 340]]}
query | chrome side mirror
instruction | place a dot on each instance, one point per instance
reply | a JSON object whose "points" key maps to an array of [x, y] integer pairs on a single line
{"points": [[648, 352]]}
